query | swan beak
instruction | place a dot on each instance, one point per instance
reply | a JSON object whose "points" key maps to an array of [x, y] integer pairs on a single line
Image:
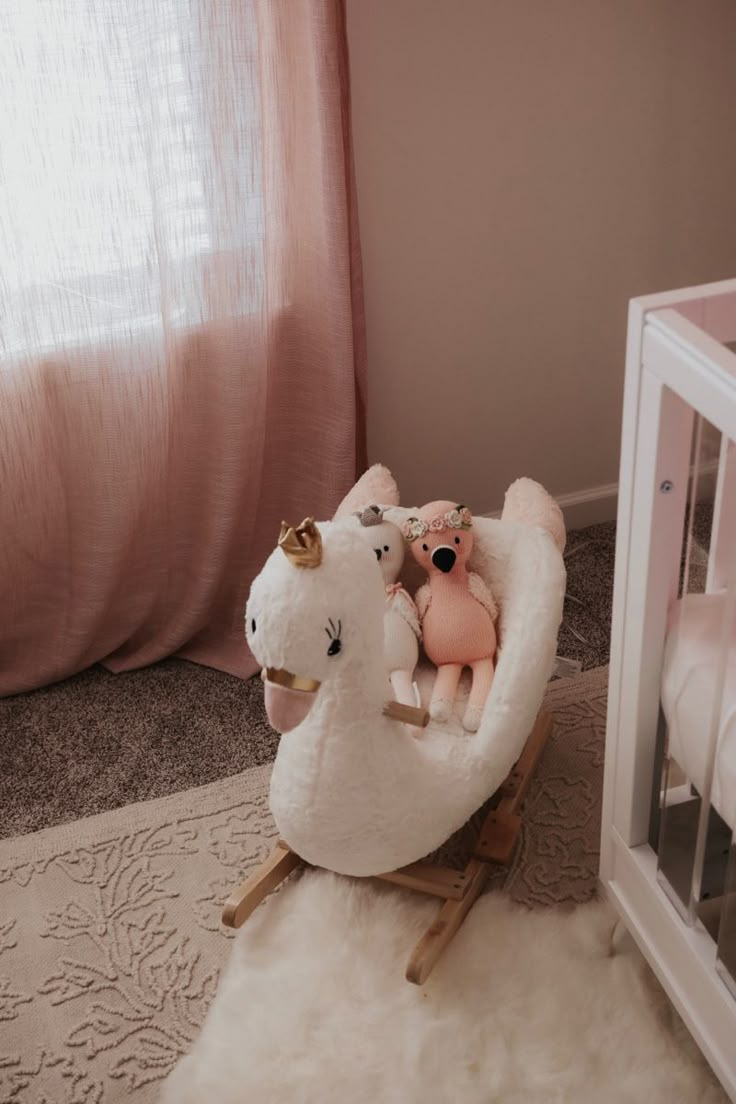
{"points": [[281, 677], [288, 697]]}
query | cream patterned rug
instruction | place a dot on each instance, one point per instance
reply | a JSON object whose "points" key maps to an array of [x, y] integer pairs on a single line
{"points": [[110, 944]]}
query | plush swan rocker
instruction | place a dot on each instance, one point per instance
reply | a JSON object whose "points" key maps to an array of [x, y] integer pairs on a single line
{"points": [[352, 790]]}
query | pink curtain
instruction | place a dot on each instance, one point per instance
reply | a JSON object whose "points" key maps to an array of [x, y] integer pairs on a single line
{"points": [[181, 341]]}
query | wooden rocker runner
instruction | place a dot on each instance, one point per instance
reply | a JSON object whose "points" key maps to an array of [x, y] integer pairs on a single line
{"points": [[458, 889]]}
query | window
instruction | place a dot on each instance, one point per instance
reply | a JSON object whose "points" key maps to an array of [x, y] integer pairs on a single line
{"points": [[108, 198]]}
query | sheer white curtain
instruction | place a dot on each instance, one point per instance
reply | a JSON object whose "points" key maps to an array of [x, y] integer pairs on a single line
{"points": [[113, 166], [180, 317]]}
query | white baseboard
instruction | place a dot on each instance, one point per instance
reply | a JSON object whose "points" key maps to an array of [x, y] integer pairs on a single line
{"points": [[593, 505], [590, 506], [587, 507]]}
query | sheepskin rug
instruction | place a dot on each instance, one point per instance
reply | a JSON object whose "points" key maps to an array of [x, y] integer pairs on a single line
{"points": [[525, 1007]]}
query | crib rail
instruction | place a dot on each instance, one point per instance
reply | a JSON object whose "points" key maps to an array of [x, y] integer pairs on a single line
{"points": [[667, 848]]}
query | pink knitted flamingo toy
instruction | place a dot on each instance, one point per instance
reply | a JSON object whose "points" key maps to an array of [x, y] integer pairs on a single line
{"points": [[455, 607]]}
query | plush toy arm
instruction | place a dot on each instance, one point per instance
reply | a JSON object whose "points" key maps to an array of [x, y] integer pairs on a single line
{"points": [[482, 594], [404, 606], [422, 599]]}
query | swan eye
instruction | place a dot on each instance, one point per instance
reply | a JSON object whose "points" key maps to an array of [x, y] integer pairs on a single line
{"points": [[334, 632], [252, 625]]}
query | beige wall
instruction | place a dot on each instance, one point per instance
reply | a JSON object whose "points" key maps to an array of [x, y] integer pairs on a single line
{"points": [[525, 167]]}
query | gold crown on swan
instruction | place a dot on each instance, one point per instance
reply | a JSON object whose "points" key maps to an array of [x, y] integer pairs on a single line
{"points": [[303, 545]]}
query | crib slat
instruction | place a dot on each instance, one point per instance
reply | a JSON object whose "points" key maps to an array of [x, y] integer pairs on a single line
{"points": [[651, 517], [723, 531]]}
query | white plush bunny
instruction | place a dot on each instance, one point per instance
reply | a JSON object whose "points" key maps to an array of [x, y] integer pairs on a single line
{"points": [[401, 630]]}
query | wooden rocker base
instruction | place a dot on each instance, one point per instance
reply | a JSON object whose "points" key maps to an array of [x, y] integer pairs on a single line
{"points": [[459, 889]]}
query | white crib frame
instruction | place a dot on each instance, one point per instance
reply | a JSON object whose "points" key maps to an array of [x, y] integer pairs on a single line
{"points": [[676, 363]]}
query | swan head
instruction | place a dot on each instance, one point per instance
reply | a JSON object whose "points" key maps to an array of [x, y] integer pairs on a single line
{"points": [[314, 621]]}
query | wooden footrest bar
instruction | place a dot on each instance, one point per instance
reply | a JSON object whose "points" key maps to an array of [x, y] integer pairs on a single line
{"points": [[424, 877]]}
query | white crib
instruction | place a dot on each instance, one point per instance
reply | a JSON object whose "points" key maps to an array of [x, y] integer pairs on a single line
{"points": [[668, 860]]}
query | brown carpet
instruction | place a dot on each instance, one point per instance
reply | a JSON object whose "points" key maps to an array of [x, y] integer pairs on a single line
{"points": [[110, 943], [585, 632], [98, 741]]}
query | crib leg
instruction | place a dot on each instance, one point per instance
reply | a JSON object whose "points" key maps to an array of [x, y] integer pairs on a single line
{"points": [[449, 918], [243, 900]]}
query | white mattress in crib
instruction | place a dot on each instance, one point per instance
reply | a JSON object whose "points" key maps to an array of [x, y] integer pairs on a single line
{"points": [[688, 688]]}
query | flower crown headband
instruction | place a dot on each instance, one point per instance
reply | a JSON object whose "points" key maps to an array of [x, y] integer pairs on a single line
{"points": [[459, 518]]}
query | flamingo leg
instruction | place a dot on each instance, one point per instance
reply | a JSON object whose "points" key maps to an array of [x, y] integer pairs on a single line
{"points": [[483, 671], [444, 691]]}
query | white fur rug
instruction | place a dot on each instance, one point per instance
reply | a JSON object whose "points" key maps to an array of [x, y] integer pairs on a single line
{"points": [[525, 1007]]}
